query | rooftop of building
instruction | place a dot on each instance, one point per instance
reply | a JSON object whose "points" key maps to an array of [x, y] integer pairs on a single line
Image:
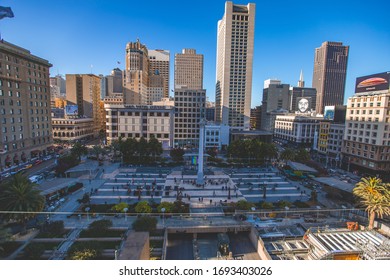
{"points": [[330, 243], [301, 167], [138, 107], [134, 246], [335, 183], [7, 46], [74, 120], [51, 186], [250, 132], [88, 165]]}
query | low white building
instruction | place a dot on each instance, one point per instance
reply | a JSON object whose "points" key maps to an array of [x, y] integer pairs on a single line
{"points": [[296, 129], [216, 136]]}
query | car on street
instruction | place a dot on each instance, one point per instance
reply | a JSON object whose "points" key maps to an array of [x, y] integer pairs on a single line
{"points": [[35, 178]]}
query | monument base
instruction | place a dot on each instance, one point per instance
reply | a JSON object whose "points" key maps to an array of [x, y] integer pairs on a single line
{"points": [[200, 179]]}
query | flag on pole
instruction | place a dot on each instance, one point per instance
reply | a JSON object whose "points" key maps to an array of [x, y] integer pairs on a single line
{"points": [[6, 12]]}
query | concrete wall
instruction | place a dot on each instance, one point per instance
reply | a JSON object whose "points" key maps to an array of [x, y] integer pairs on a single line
{"points": [[258, 243]]}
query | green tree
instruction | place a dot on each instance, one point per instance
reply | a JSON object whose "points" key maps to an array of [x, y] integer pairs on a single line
{"points": [[180, 207], [120, 207], [100, 226], [143, 150], [145, 223], [283, 204], [155, 147], [66, 162], [271, 151], [78, 150], [97, 151], [85, 254], [143, 207], [375, 196], [302, 155], [128, 149], [169, 207], [212, 152], [177, 154], [266, 205], [288, 154], [85, 251], [20, 198], [244, 205], [115, 147]]}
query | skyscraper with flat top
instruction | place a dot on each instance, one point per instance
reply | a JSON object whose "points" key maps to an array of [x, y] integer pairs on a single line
{"points": [[188, 70], [159, 61], [234, 65], [330, 72]]}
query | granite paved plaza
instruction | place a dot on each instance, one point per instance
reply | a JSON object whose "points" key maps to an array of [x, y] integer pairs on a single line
{"points": [[134, 184]]}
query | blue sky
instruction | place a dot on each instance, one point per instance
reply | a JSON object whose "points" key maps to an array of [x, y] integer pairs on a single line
{"points": [[75, 34]]}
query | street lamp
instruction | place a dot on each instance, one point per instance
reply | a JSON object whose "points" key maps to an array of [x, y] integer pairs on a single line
{"points": [[318, 210], [253, 210], [163, 211], [286, 208], [87, 209], [125, 210]]}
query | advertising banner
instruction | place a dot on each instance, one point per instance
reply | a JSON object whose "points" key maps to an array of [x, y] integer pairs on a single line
{"points": [[375, 82]]}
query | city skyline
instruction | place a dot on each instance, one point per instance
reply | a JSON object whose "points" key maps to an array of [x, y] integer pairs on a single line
{"points": [[78, 34]]}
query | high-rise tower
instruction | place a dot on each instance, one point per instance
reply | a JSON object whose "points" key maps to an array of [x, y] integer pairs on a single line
{"points": [[234, 65], [188, 70], [190, 98], [136, 74], [159, 61], [330, 72]]}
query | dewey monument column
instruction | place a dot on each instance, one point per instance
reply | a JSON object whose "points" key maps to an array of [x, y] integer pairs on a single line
{"points": [[200, 179]]}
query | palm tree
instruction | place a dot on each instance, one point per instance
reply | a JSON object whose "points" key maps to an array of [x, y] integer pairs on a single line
{"points": [[287, 154], [302, 155], [115, 146], [375, 196], [79, 149], [21, 200], [97, 151]]}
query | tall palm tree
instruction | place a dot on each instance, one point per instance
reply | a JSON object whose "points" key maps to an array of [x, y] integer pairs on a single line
{"points": [[21, 200], [78, 150], [97, 151], [375, 196], [287, 154]]}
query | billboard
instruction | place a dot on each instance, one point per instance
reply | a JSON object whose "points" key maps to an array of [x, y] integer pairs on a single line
{"points": [[71, 110], [304, 104], [329, 112], [375, 82]]}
